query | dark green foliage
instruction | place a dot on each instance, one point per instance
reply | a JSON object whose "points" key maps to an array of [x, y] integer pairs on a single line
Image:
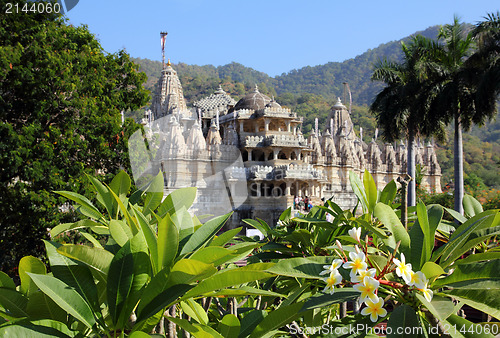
{"points": [[60, 103]]}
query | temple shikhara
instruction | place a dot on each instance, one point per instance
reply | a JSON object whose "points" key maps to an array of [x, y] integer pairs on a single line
{"points": [[250, 156]]}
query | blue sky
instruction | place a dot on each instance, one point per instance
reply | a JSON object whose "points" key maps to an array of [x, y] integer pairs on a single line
{"points": [[273, 36]]}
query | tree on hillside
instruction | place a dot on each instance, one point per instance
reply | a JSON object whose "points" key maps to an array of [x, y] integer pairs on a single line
{"points": [[453, 93], [397, 107], [60, 101]]}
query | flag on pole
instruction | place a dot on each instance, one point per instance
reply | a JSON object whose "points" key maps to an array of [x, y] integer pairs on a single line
{"points": [[163, 37]]}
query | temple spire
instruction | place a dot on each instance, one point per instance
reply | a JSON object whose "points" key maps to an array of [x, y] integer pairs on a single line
{"points": [[163, 36]]}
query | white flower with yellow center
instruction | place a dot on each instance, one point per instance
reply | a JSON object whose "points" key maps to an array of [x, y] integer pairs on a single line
{"points": [[367, 289], [337, 263], [418, 279], [332, 280], [355, 233], [374, 309], [362, 274], [403, 270], [357, 263], [427, 293]]}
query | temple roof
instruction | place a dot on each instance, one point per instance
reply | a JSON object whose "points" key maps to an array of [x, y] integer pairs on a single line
{"points": [[218, 100], [254, 100]]}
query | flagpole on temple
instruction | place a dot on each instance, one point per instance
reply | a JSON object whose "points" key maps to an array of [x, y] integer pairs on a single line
{"points": [[163, 37]]}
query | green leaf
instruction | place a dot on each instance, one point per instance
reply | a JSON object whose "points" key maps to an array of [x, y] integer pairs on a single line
{"points": [[82, 224], [103, 196], [388, 193], [132, 223], [24, 329], [461, 327], [231, 277], [468, 273], [388, 217], [14, 302], [322, 300], [154, 194], [120, 231], [214, 255], [161, 301], [301, 267], [482, 296], [358, 189], [262, 227], [85, 206], [177, 199], [403, 318], [187, 271], [120, 185], [229, 326], [277, 318], [97, 259], [6, 282], [472, 206], [250, 321], [244, 291], [456, 215], [40, 306], [195, 311], [479, 257], [150, 236], [66, 297], [440, 307], [225, 237], [30, 264], [73, 273], [431, 270], [205, 233], [168, 242], [371, 191]]}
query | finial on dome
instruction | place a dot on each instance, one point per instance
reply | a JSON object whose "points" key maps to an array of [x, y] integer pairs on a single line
{"points": [[256, 89], [220, 90], [168, 63]]}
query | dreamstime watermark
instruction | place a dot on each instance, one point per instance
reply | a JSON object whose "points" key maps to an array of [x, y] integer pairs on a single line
{"points": [[67, 5]]}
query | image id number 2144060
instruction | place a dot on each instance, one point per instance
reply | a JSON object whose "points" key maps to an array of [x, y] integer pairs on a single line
{"points": [[33, 7]]}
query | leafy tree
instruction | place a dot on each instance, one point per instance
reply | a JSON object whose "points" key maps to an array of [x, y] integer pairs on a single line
{"points": [[60, 101], [397, 107]]}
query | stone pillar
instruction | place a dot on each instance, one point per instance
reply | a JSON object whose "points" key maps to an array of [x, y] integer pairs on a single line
{"points": [[288, 188], [275, 153], [258, 189], [266, 124], [256, 127], [288, 125], [241, 126], [249, 154], [297, 191]]}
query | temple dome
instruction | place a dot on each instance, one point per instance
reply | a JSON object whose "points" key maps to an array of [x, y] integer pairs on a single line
{"points": [[254, 100], [338, 105], [273, 104]]}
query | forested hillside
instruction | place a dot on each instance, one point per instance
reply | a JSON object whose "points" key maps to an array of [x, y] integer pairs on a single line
{"points": [[311, 91]]}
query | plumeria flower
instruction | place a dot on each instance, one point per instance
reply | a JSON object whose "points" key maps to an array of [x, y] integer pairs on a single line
{"points": [[427, 293], [403, 270], [418, 279], [337, 263], [362, 274], [374, 309], [356, 264], [334, 279], [355, 233], [367, 289]]}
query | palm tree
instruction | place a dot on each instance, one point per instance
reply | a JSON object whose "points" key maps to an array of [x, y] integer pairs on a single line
{"points": [[452, 91], [397, 107]]}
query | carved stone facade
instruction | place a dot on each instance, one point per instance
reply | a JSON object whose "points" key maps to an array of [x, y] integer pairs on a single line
{"points": [[250, 156]]}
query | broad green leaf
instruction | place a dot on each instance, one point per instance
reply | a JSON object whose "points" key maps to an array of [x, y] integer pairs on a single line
{"points": [[215, 255], [150, 236], [178, 198], [231, 277], [40, 306], [250, 321], [195, 311], [440, 307], [456, 215], [182, 218], [30, 264], [197, 330], [82, 224], [277, 318], [244, 291], [91, 239], [301, 267], [479, 257], [121, 183], [264, 228], [168, 241], [120, 231], [103, 196], [225, 237], [21, 330], [75, 274], [154, 194], [371, 191], [187, 271], [472, 206], [322, 300], [85, 206], [132, 223], [461, 327], [205, 233], [431, 270], [6, 282], [468, 273], [479, 295], [388, 193], [66, 297], [403, 318], [161, 301], [388, 217], [139, 334], [358, 189], [229, 326], [14, 302], [97, 259]]}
